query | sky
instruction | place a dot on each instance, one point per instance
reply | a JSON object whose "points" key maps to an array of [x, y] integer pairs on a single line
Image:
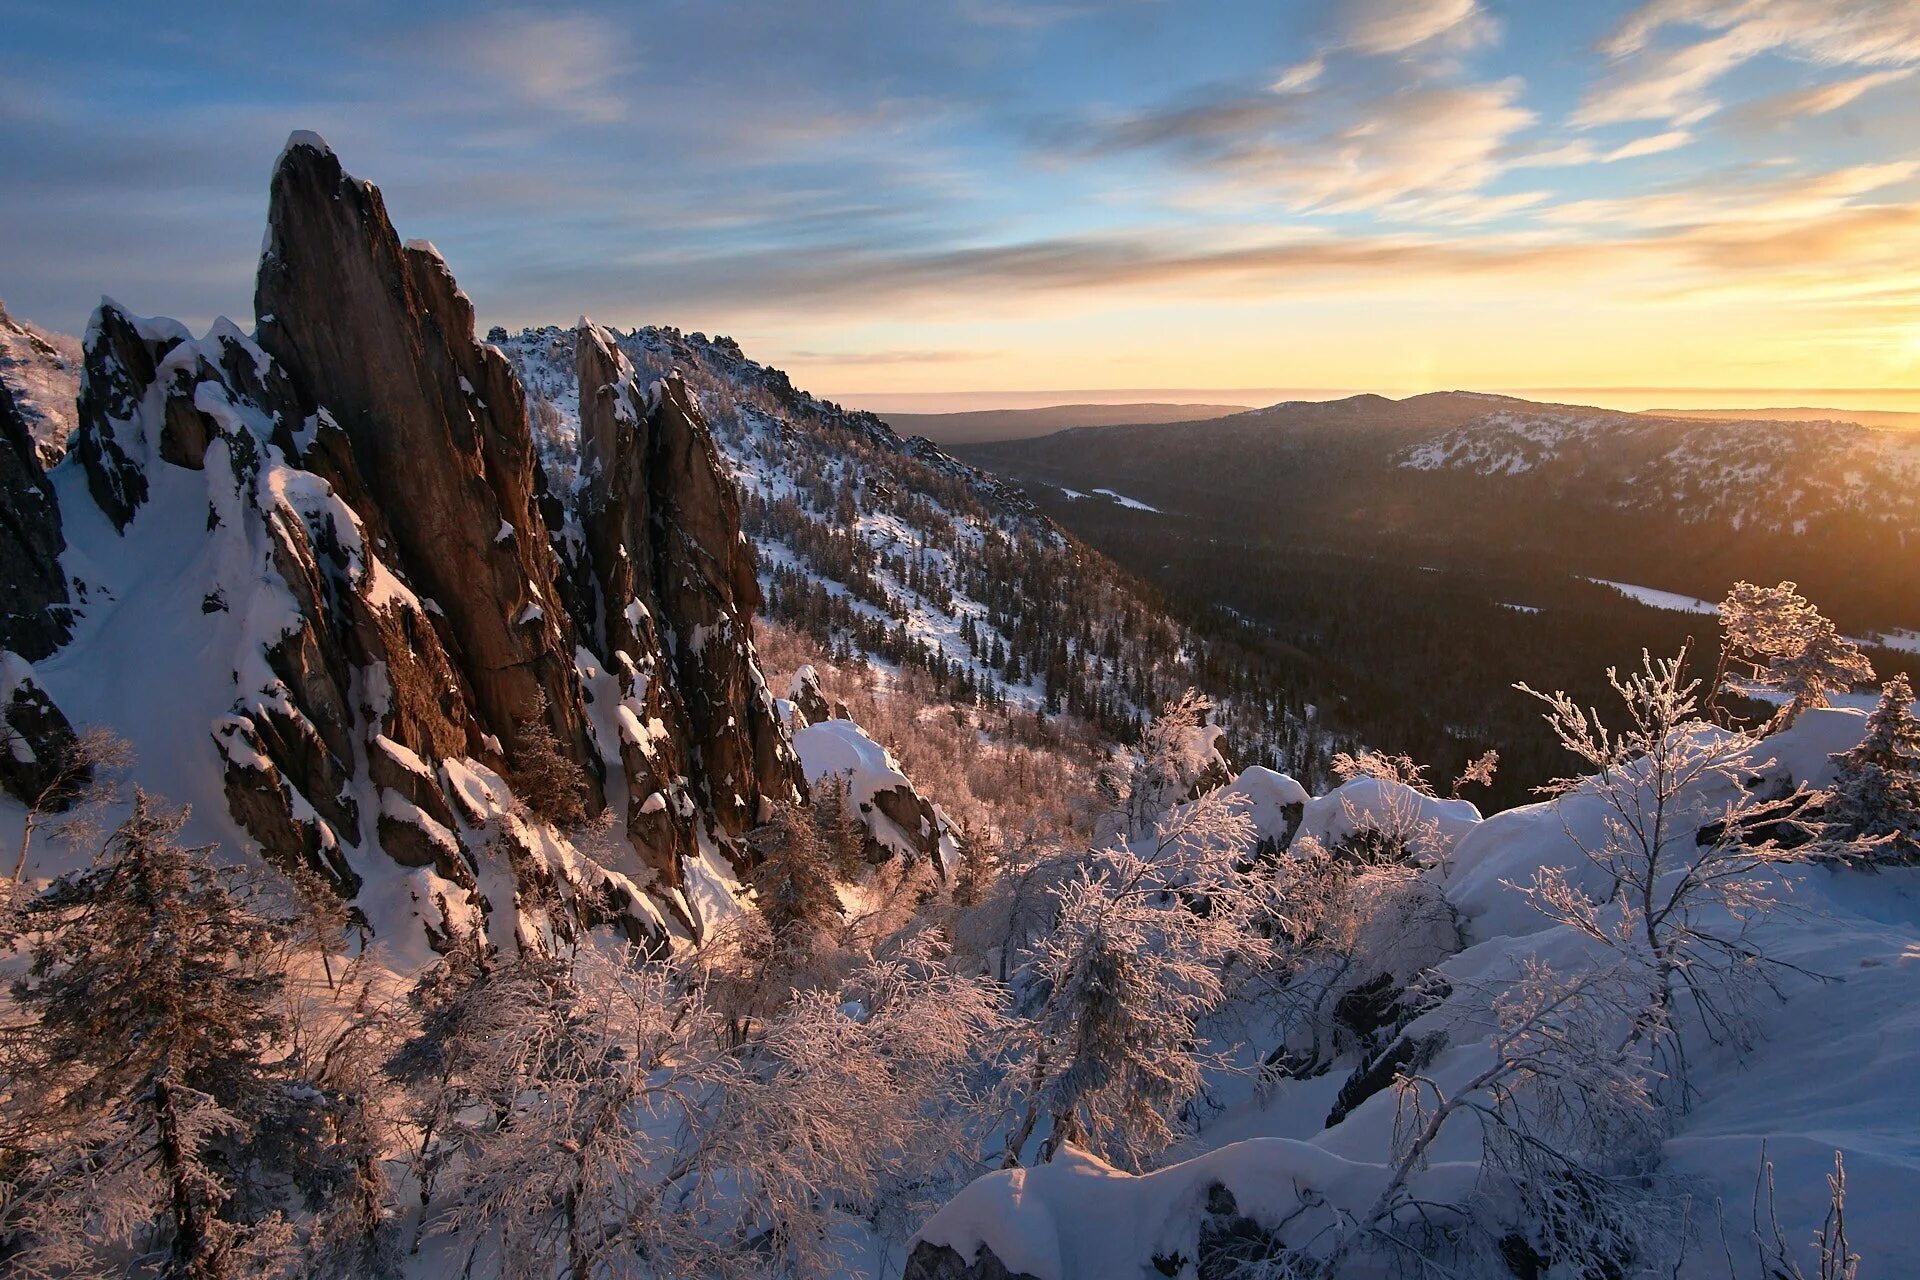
{"points": [[952, 203]]}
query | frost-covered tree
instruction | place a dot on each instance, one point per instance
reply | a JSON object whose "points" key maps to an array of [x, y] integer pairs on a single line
{"points": [[1336, 926], [1684, 843], [1348, 765], [1567, 1125], [542, 775], [1874, 805], [1177, 749], [1118, 988], [1788, 647], [1479, 771], [153, 1010], [455, 1015], [637, 1141]]}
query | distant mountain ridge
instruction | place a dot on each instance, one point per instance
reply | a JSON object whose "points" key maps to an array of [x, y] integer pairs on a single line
{"points": [[1690, 503], [981, 425], [1889, 419]]}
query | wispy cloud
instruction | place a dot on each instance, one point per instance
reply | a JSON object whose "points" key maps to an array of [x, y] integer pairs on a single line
{"points": [[1672, 83], [1396, 26], [1816, 100]]}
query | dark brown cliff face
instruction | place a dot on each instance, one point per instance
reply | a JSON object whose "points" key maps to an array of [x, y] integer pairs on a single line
{"points": [[671, 609], [615, 511], [704, 573], [33, 621], [379, 334]]}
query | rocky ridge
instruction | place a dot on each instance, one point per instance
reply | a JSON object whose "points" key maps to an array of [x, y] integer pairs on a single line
{"points": [[393, 617]]}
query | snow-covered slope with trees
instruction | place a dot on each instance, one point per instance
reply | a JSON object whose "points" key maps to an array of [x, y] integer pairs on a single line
{"points": [[1627, 1031], [1752, 474], [889, 551]]}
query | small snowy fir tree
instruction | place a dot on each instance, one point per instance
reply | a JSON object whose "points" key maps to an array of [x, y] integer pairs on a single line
{"points": [[1874, 805], [792, 875], [1175, 752], [543, 777], [1789, 648], [153, 1002], [836, 820], [1138, 957]]}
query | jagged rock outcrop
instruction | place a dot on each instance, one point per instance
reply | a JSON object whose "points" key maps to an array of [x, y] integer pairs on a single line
{"points": [[378, 332], [34, 736], [808, 699], [373, 591], [943, 1262], [33, 614], [899, 821], [41, 372]]}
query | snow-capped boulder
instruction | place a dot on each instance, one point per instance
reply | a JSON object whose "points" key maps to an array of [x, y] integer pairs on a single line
{"points": [[1078, 1218], [1382, 805], [899, 821], [1274, 800]]}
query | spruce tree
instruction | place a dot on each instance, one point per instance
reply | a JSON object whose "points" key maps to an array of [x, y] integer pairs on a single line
{"points": [[153, 995], [792, 877], [550, 784], [1876, 788], [836, 819]]}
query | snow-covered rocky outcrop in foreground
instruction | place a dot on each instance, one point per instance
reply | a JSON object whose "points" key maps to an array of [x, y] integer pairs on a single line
{"points": [[318, 580], [1820, 1059]]}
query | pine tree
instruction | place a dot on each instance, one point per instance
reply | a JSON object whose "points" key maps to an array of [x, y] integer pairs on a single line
{"points": [[792, 877], [1876, 788], [836, 820], [153, 995], [543, 777]]}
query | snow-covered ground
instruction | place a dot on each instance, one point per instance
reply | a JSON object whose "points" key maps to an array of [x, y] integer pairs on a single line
{"points": [[1824, 1064], [1671, 601], [1131, 504]]}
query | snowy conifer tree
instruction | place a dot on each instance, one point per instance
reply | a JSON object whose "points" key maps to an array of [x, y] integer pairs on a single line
{"points": [[1136, 960], [153, 1002], [1875, 801], [543, 778], [792, 877]]}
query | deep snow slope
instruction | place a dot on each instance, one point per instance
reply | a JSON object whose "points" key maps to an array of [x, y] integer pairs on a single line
{"points": [[1826, 1065]]}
